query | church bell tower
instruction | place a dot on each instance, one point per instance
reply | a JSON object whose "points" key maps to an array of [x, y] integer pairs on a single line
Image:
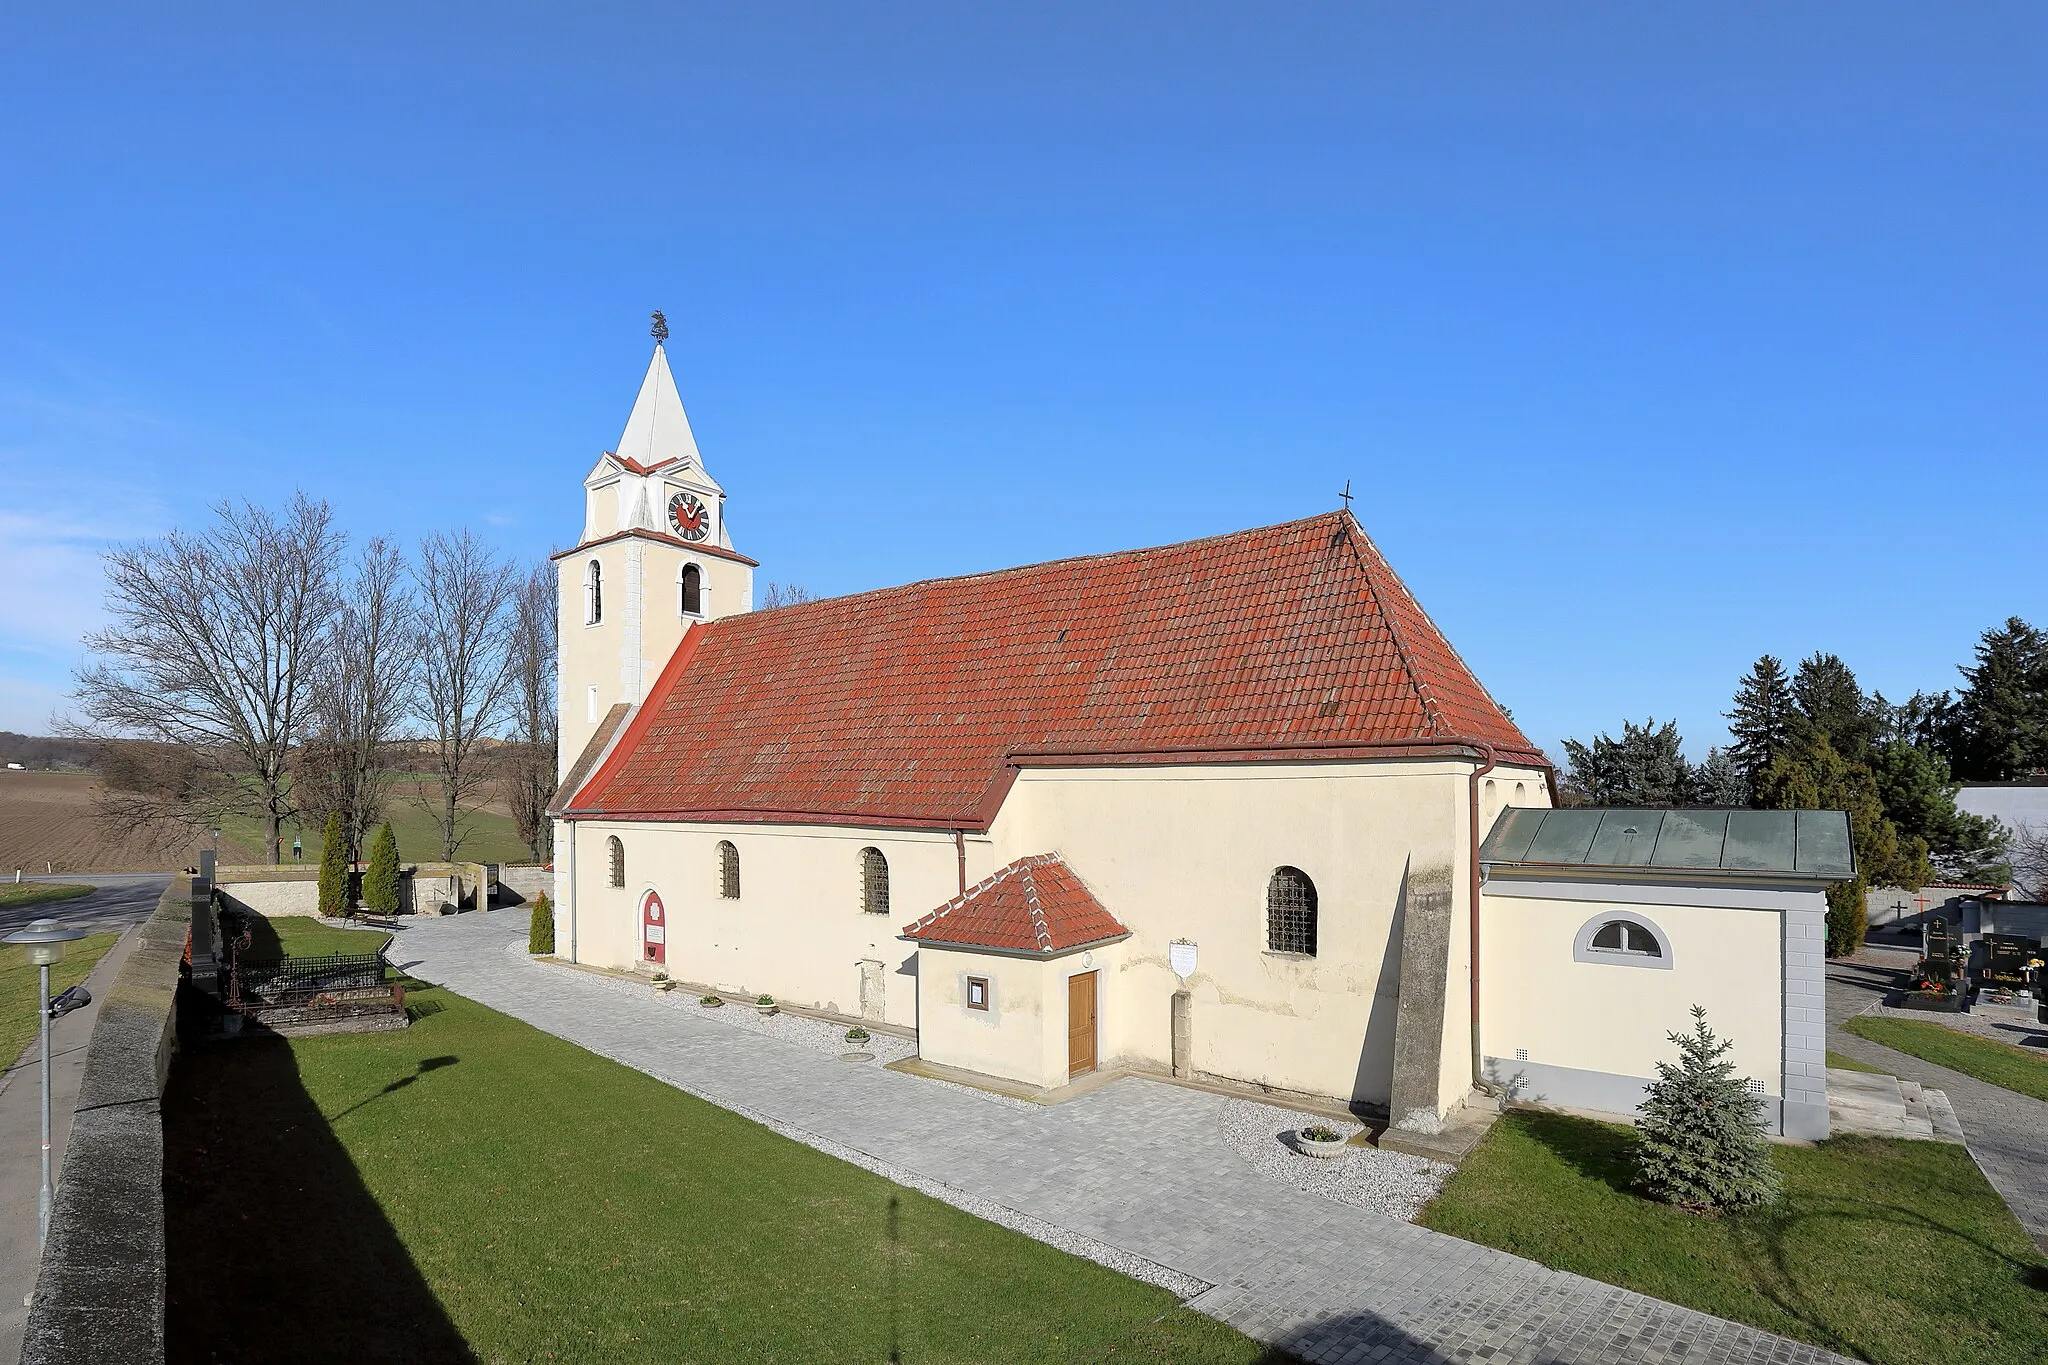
{"points": [[655, 558]]}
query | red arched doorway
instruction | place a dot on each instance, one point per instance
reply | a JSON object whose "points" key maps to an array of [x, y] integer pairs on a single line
{"points": [[653, 930]]}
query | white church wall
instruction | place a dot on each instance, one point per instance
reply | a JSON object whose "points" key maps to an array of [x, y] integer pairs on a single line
{"points": [[797, 932], [1010, 1038], [1187, 852], [1588, 1033]]}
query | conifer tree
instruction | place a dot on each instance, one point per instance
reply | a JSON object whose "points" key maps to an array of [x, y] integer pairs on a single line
{"points": [[334, 867], [1761, 722], [1829, 702], [540, 933], [2001, 718], [1699, 1131], [1645, 767], [380, 880]]}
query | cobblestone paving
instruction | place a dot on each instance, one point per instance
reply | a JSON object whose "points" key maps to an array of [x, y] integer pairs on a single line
{"points": [[1138, 1165], [2007, 1132]]}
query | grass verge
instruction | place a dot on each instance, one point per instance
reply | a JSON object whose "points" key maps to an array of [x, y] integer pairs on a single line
{"points": [[1993, 1062], [1890, 1251], [13, 894], [1839, 1061], [304, 936], [19, 987], [475, 1189]]}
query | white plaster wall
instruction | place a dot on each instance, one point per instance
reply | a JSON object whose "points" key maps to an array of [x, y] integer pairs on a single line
{"points": [[274, 897], [1009, 1039], [797, 932], [1186, 852], [1613, 1018]]}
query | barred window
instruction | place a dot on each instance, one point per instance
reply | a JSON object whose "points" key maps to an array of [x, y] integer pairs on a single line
{"points": [[728, 870], [618, 852], [1291, 912], [1621, 936], [874, 882]]}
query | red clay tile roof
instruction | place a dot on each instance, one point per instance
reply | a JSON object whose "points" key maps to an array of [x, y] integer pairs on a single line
{"points": [[911, 706], [1035, 905]]}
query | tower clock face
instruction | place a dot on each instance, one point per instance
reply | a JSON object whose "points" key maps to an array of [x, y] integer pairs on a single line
{"points": [[690, 518]]}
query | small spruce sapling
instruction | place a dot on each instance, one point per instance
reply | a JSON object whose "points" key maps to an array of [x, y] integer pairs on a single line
{"points": [[380, 879], [1699, 1133], [540, 934], [334, 868]]}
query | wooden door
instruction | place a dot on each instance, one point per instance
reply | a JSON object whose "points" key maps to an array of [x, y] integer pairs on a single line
{"points": [[1081, 1023], [653, 930]]}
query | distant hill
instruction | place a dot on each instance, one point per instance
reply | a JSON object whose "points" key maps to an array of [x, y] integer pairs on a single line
{"points": [[46, 751]]}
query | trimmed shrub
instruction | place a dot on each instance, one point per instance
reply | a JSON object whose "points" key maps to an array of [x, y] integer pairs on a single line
{"points": [[334, 868], [540, 935], [380, 879], [1699, 1133]]}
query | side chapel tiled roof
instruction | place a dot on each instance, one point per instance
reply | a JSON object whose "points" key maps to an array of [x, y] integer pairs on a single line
{"points": [[909, 706], [1034, 905]]}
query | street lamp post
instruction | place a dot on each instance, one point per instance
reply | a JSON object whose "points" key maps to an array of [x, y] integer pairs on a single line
{"points": [[45, 940]]}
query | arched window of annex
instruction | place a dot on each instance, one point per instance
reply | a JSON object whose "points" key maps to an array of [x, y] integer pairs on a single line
{"points": [[593, 593], [1622, 938], [874, 882], [1290, 912], [728, 871], [617, 849], [690, 591]]}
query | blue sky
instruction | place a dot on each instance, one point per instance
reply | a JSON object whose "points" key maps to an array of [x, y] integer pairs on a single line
{"points": [[1650, 340]]}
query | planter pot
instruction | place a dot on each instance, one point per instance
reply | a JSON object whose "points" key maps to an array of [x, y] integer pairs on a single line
{"points": [[1328, 1151], [664, 985], [765, 1010], [713, 1003]]}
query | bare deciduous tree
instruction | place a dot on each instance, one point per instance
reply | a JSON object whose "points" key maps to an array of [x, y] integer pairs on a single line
{"points": [[531, 770], [2028, 854], [785, 595], [211, 649], [361, 689], [462, 688]]}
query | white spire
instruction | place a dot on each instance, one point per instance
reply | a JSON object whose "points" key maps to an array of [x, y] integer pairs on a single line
{"points": [[658, 431]]}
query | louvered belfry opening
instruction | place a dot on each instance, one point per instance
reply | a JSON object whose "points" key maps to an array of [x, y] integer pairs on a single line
{"points": [[874, 882], [1291, 912], [728, 870]]}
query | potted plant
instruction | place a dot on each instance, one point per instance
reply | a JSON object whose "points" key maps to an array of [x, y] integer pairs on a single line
{"points": [[711, 1002], [857, 1035], [1320, 1140], [765, 1006]]}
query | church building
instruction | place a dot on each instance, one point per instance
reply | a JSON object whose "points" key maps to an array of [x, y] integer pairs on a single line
{"points": [[1232, 810]]}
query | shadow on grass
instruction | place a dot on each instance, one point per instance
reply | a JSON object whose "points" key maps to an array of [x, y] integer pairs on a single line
{"points": [[275, 1249]]}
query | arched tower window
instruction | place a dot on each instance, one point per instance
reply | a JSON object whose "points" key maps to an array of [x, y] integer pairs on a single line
{"points": [[728, 870], [690, 591], [1290, 912], [617, 849], [874, 882], [593, 593]]}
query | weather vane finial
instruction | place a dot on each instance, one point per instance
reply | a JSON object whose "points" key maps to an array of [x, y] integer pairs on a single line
{"points": [[660, 328]]}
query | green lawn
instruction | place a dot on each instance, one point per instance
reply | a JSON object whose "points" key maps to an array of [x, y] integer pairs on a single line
{"points": [[473, 1188], [19, 987], [1843, 1062], [304, 936], [488, 837], [14, 894], [1894, 1252], [1997, 1063]]}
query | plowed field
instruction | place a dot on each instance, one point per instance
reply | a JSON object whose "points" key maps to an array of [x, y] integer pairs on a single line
{"points": [[47, 824]]}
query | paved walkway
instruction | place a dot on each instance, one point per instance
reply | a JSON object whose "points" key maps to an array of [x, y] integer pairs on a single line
{"points": [[2007, 1132], [1139, 1165]]}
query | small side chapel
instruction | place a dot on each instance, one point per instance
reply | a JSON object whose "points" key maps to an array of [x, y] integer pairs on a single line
{"points": [[1231, 810]]}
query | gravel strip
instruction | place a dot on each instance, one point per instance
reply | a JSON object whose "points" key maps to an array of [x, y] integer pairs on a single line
{"points": [[1182, 1287], [1390, 1183]]}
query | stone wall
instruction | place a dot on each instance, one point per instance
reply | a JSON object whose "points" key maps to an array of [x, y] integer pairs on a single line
{"points": [[100, 1293], [519, 883], [423, 888]]}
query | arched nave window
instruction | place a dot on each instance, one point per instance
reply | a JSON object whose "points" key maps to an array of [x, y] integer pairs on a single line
{"points": [[874, 882], [1290, 912], [728, 870], [617, 849]]}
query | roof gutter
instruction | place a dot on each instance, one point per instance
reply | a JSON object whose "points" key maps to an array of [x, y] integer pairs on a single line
{"points": [[1472, 818]]}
